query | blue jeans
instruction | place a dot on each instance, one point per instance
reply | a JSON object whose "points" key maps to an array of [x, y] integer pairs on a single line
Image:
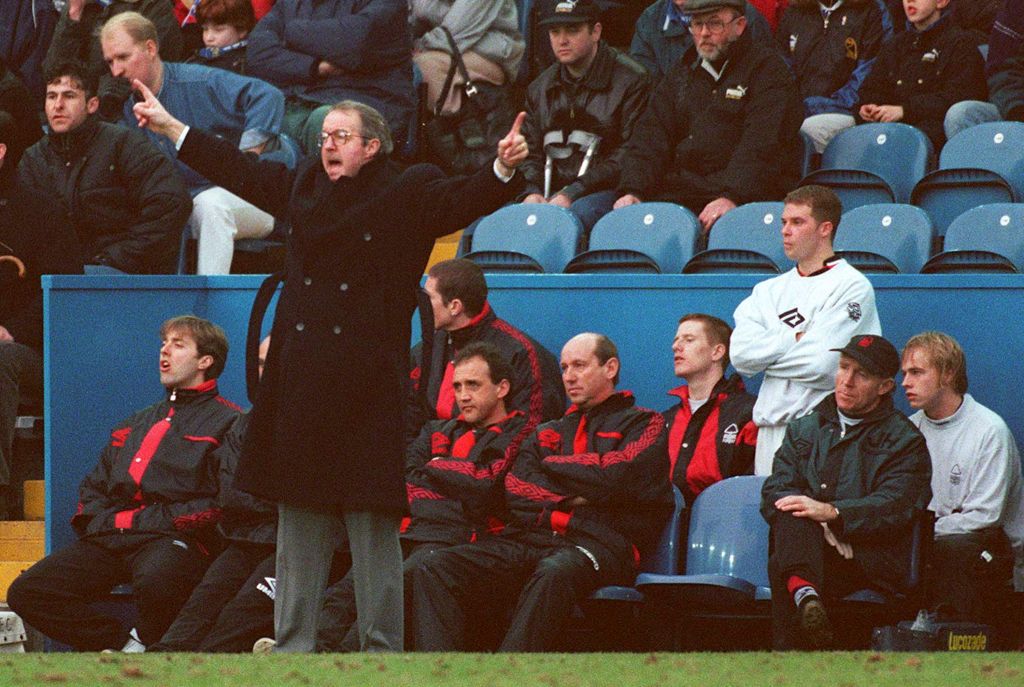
{"points": [[968, 113]]}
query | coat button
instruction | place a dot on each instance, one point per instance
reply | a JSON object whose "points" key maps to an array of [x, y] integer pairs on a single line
{"points": [[307, 281], [824, 486], [686, 446], [367, 236], [299, 327], [337, 329], [344, 286], [899, 82], [920, 81]]}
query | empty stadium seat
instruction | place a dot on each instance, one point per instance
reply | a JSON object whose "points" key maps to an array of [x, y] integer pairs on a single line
{"points": [[874, 163], [747, 239], [979, 166], [989, 238], [887, 238], [649, 237], [526, 238], [726, 552]]}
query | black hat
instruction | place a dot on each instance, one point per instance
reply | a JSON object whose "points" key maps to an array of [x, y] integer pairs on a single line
{"points": [[874, 353], [568, 12], [695, 6]]}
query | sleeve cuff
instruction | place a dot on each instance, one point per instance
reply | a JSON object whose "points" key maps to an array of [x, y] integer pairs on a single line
{"points": [[504, 179], [181, 138]]}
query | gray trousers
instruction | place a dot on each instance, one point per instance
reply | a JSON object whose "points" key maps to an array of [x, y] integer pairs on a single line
{"points": [[306, 540]]}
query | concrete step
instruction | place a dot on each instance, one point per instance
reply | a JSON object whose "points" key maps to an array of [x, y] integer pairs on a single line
{"points": [[22, 549], [35, 499], [22, 529]]}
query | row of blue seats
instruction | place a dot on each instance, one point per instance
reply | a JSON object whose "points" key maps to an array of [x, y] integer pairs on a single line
{"points": [[892, 163], [662, 238], [726, 562]]}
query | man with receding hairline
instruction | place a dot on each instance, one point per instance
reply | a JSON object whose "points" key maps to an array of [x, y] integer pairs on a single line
{"points": [[587, 495]]}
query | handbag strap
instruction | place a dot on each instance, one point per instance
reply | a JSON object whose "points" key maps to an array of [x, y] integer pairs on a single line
{"points": [[457, 64]]}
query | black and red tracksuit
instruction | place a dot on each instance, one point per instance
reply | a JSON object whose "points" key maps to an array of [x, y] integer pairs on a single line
{"points": [[454, 474], [536, 387], [146, 515], [233, 606], [716, 442], [587, 494]]}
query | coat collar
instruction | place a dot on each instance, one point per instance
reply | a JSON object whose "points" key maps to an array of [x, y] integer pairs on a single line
{"points": [[471, 332], [830, 413], [597, 78], [617, 401], [74, 143], [200, 392], [725, 387]]}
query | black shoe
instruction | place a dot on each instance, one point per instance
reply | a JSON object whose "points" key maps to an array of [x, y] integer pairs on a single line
{"points": [[814, 623]]}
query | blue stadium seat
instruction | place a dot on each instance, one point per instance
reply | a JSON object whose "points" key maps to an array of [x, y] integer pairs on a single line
{"points": [[726, 554], [526, 238], [649, 237], [874, 163], [989, 238], [887, 238], [747, 239], [979, 166]]}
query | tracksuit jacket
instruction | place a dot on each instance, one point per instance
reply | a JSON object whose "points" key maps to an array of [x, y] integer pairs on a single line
{"points": [[244, 518], [158, 474], [927, 72], [716, 442], [454, 475], [877, 474], [831, 53], [614, 457], [536, 390]]}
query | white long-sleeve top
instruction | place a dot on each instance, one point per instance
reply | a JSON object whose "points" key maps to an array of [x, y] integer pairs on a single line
{"points": [[829, 307], [976, 475]]}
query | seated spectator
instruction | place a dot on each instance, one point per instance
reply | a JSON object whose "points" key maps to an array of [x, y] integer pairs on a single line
{"points": [[922, 72], [226, 25], [722, 127], [147, 511], [233, 605], [188, 14], [831, 48], [663, 35], [33, 242], [76, 38], [1005, 70], [125, 200], [454, 472], [977, 493], [323, 52], [847, 483], [486, 34], [15, 101], [580, 112], [26, 27], [462, 316], [772, 10], [788, 325], [586, 496], [976, 17], [711, 434], [245, 111]]}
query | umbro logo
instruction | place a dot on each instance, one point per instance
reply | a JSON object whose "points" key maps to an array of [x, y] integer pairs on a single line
{"points": [[270, 588], [793, 318]]}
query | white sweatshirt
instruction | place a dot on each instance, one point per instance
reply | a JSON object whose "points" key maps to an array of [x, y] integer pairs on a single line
{"points": [[829, 308], [976, 475]]}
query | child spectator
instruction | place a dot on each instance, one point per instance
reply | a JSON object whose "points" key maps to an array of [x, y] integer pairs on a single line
{"points": [[923, 71], [226, 26]]}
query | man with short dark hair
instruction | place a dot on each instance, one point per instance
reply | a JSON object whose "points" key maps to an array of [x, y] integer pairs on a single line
{"points": [[977, 492], [147, 512], [454, 472], [458, 297], [722, 127], [126, 202], [586, 497], [33, 242], [580, 112], [787, 327], [847, 484], [711, 435]]}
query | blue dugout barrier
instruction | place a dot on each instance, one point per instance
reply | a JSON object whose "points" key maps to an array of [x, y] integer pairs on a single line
{"points": [[102, 340]]}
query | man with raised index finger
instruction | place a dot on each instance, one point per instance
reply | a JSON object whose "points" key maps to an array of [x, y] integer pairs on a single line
{"points": [[321, 440]]}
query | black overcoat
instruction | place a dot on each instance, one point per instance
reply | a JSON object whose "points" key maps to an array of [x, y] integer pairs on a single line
{"points": [[326, 429]]}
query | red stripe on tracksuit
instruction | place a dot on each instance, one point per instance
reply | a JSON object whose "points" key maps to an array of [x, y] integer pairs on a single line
{"points": [[625, 454], [704, 469], [140, 461]]}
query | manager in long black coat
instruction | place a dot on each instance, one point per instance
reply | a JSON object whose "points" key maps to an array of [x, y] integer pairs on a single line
{"points": [[325, 437]]}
